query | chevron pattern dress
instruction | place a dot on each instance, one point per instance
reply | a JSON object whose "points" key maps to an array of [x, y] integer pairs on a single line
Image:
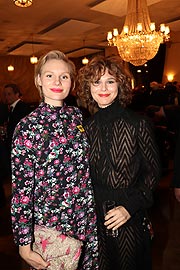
{"points": [[125, 168]]}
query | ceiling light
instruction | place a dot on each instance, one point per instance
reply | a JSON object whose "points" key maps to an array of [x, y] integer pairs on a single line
{"points": [[138, 41], [10, 68], [33, 59], [23, 3], [85, 61]]}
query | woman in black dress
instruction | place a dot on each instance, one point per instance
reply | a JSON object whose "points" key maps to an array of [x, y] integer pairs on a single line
{"points": [[124, 165]]}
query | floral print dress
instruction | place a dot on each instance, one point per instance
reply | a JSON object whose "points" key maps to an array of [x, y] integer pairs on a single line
{"points": [[51, 185]]}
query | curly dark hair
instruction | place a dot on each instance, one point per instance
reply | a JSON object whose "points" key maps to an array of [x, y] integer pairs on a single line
{"points": [[93, 72]]}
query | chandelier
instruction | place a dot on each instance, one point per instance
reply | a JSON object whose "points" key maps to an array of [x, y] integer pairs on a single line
{"points": [[139, 41], [23, 3]]}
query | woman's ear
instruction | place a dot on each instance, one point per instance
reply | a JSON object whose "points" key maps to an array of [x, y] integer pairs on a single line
{"points": [[39, 80]]}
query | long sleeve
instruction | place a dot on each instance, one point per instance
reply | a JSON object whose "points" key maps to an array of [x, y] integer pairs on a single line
{"points": [[141, 197], [22, 187]]}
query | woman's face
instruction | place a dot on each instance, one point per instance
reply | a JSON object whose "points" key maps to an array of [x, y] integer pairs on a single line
{"points": [[105, 90], [55, 81]]}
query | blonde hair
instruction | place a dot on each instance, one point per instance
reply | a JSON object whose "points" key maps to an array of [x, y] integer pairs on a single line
{"points": [[58, 55]]}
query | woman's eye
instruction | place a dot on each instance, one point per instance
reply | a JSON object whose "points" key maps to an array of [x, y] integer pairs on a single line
{"points": [[65, 77], [111, 81], [96, 82], [48, 75]]}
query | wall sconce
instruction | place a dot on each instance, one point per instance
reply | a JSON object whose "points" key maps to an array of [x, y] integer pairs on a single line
{"points": [[10, 68], [170, 77]]}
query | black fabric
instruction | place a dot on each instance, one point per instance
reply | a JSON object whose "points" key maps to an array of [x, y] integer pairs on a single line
{"points": [[125, 168], [176, 176], [20, 110]]}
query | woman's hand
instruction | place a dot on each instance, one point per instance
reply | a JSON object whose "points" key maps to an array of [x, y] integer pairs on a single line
{"points": [[116, 217], [32, 258]]}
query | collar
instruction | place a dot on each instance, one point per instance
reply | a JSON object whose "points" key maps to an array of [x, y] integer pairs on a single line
{"points": [[14, 104]]}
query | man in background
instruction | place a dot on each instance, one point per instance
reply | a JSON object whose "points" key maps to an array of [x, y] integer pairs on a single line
{"points": [[17, 109]]}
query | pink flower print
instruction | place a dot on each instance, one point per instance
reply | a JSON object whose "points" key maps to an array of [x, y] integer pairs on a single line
{"points": [[22, 220], [52, 155], [68, 251], [39, 153], [62, 140], [51, 198], [37, 136], [76, 145], [84, 185], [44, 243], [41, 172], [81, 237], [56, 161], [69, 211], [27, 162], [66, 195], [76, 190], [28, 144], [30, 174], [63, 236], [53, 116], [13, 185], [17, 160], [70, 137], [54, 219], [77, 255], [70, 168], [66, 158], [24, 199]]}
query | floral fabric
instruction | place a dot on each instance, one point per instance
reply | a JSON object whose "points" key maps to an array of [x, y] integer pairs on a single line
{"points": [[50, 178]]}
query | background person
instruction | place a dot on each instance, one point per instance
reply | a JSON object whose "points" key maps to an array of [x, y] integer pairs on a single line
{"points": [[124, 165], [50, 167], [17, 109], [176, 173]]}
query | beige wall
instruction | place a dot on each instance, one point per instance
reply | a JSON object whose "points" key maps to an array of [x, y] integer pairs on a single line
{"points": [[172, 60]]}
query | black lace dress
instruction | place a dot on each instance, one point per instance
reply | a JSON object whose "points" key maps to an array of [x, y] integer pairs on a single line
{"points": [[125, 168]]}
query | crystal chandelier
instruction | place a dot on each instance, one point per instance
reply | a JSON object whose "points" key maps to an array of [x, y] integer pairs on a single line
{"points": [[139, 41], [23, 3]]}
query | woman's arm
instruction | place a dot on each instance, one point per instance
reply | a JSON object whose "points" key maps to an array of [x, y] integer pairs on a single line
{"points": [[32, 258]]}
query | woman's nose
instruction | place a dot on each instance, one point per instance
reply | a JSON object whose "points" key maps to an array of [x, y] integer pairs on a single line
{"points": [[57, 80], [104, 86]]}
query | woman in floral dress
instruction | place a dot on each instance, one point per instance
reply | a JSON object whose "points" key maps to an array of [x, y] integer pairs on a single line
{"points": [[50, 170]]}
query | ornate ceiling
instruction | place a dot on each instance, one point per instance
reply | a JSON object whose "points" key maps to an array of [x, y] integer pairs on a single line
{"points": [[64, 24]]}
